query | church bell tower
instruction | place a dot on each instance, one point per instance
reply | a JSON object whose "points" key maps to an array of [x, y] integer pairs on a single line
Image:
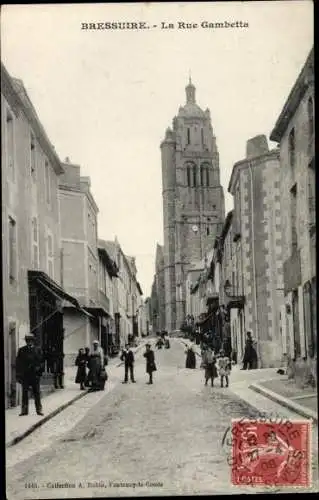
{"points": [[193, 200]]}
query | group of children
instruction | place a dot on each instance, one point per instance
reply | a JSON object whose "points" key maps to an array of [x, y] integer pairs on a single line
{"points": [[216, 366]]}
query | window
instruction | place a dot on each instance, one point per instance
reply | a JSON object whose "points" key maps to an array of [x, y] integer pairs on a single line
{"points": [[310, 117], [207, 176], [312, 194], [50, 254], [32, 156], [189, 182], [47, 182], [207, 230], [291, 148], [194, 176], [35, 244], [293, 216], [202, 171], [10, 145], [202, 135], [12, 250], [188, 136]]}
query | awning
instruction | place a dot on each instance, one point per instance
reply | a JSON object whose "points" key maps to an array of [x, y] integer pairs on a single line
{"points": [[54, 289], [97, 312]]}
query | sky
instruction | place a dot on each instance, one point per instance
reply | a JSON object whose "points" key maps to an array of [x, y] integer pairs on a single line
{"points": [[106, 97]]}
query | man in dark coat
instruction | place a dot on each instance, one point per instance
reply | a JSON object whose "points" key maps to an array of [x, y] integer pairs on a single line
{"points": [[30, 366], [128, 357], [250, 355], [150, 362]]}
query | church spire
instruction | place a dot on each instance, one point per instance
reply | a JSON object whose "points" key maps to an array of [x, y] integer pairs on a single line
{"points": [[190, 91]]}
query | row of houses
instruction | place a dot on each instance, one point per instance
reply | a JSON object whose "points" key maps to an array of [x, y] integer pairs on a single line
{"points": [[260, 274], [60, 281]]}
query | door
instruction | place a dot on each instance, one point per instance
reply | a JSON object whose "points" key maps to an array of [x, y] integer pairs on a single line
{"points": [[295, 318], [12, 365]]}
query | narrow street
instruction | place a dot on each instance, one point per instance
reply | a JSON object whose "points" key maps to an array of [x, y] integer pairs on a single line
{"points": [[168, 435]]}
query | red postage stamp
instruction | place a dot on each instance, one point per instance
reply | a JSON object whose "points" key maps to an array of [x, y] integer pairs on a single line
{"points": [[273, 454]]}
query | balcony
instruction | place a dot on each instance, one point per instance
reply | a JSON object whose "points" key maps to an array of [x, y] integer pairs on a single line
{"points": [[292, 271]]}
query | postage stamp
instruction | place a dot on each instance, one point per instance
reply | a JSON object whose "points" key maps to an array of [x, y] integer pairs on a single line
{"points": [[271, 453]]}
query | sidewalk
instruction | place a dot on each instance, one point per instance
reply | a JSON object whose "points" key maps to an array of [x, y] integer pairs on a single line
{"points": [[268, 383], [285, 392], [17, 428]]}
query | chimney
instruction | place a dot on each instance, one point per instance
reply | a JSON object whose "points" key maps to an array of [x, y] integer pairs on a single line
{"points": [[256, 146]]}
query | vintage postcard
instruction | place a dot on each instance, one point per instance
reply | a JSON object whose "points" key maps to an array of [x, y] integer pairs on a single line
{"points": [[159, 256]]}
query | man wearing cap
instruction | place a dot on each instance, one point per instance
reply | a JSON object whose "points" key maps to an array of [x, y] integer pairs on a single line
{"points": [[128, 357], [30, 366]]}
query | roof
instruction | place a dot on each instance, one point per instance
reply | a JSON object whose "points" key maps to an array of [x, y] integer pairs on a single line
{"points": [[10, 85], [191, 110], [304, 79]]}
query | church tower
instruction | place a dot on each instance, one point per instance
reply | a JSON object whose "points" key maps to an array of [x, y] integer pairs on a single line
{"points": [[193, 200]]}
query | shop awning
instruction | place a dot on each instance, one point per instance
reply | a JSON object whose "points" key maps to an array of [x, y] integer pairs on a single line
{"points": [[54, 289], [97, 312]]}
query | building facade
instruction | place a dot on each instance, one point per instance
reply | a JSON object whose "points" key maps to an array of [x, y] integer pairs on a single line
{"points": [[193, 200], [80, 260], [294, 131], [257, 249], [31, 286], [160, 286]]}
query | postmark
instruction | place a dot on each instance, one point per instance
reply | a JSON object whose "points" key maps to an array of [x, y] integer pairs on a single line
{"points": [[266, 453]]}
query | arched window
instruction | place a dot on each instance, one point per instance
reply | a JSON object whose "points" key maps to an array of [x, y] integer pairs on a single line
{"points": [[202, 172], [189, 181], [207, 176], [188, 135], [291, 147], [310, 117], [194, 176]]}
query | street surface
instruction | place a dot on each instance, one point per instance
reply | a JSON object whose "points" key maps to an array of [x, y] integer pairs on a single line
{"points": [[166, 436]]}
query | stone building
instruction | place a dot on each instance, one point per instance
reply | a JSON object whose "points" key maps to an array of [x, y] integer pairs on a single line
{"points": [[294, 131], [126, 294], [257, 248], [160, 286], [80, 260], [107, 273], [193, 200], [31, 281]]}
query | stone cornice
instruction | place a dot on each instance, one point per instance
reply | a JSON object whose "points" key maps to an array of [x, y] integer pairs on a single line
{"points": [[304, 80]]}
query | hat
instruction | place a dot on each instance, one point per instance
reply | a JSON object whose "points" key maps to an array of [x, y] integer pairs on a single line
{"points": [[148, 345], [96, 342], [29, 336]]}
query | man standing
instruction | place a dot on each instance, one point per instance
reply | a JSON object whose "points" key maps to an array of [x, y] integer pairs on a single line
{"points": [[128, 357], [30, 366]]}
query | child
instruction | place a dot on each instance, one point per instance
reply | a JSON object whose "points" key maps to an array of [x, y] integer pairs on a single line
{"points": [[224, 366], [209, 362], [80, 362]]}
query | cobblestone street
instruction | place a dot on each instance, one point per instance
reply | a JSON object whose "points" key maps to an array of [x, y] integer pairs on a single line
{"points": [[167, 436]]}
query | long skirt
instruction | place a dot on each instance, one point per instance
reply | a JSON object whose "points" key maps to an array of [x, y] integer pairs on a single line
{"points": [[210, 371], [191, 360]]}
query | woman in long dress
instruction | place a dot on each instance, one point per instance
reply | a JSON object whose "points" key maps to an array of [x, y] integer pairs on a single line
{"points": [[80, 362], [150, 363], [190, 358], [96, 365]]}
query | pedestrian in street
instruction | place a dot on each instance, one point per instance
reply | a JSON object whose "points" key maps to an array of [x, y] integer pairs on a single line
{"points": [[190, 358], [159, 343], [150, 362], [224, 366], [128, 357], [81, 362], [209, 363], [97, 367], [87, 382], [250, 354], [29, 369]]}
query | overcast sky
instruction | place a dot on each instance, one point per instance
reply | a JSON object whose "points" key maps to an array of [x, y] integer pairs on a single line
{"points": [[106, 97]]}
